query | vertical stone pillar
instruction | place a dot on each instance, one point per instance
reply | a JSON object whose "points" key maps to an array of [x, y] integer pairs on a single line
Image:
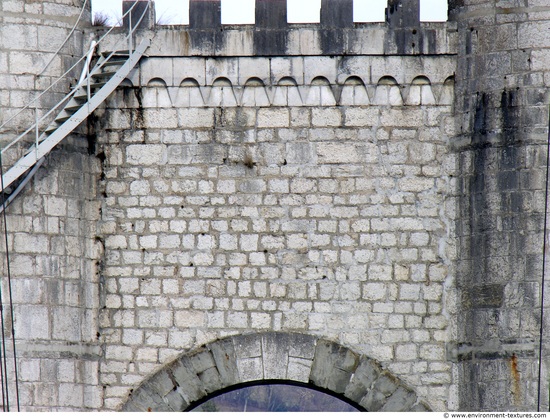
{"points": [[501, 113], [205, 22], [271, 33], [336, 16], [403, 19], [54, 254], [403, 13], [337, 13], [205, 14], [142, 15]]}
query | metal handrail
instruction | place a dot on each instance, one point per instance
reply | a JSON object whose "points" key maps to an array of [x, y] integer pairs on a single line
{"points": [[128, 38]]}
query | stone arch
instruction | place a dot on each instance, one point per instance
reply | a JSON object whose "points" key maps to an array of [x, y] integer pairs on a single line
{"points": [[354, 92], [254, 93], [447, 91], [189, 94], [156, 94], [126, 83], [269, 356], [420, 92], [222, 93], [320, 93], [287, 93], [156, 82], [388, 92], [127, 94]]}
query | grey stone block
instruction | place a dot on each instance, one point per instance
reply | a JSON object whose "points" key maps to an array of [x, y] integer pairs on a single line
{"points": [[299, 369], [162, 383], [302, 346], [130, 406], [202, 361], [333, 366], [275, 355], [176, 401], [211, 380], [146, 400], [190, 386], [250, 369], [363, 378], [383, 387], [400, 401], [420, 407], [140, 12], [223, 353], [248, 346]]}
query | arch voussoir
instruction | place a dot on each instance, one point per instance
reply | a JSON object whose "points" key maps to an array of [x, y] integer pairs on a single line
{"points": [[333, 366], [223, 352], [273, 356]]}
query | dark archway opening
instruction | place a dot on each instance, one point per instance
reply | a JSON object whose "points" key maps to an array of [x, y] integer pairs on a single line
{"points": [[274, 396]]}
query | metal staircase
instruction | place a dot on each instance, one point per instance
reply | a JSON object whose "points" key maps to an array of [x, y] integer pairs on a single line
{"points": [[93, 88]]}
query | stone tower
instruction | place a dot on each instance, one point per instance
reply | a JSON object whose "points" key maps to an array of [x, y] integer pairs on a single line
{"points": [[31, 33], [501, 115], [355, 207], [54, 303]]}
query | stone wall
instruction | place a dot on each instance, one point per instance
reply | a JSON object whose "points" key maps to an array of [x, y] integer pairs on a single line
{"points": [[325, 182], [55, 283], [306, 194], [51, 225], [502, 118]]}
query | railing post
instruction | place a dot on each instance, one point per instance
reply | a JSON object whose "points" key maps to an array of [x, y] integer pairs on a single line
{"points": [[36, 131], [130, 46], [88, 88]]}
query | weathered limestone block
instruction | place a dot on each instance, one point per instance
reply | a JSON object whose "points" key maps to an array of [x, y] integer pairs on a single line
{"points": [[382, 389], [363, 378], [146, 154], [223, 353], [162, 383], [400, 401], [147, 400], [189, 384], [333, 366]]}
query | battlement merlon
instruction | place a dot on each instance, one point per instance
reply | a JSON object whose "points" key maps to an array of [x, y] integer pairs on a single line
{"points": [[336, 34]]}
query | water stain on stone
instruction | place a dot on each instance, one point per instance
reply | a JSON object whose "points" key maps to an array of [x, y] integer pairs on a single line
{"points": [[516, 389]]}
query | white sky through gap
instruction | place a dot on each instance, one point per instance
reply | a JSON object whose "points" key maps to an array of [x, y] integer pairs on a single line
{"points": [[299, 11]]}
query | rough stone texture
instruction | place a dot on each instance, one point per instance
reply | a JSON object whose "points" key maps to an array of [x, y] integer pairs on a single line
{"points": [[55, 281], [502, 112], [320, 217], [55, 287], [385, 392], [30, 33], [272, 36], [322, 210]]}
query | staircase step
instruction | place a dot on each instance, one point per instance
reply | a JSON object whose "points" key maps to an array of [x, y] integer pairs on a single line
{"points": [[51, 128], [63, 118], [120, 53], [64, 115], [112, 62], [74, 107], [83, 96], [104, 74]]}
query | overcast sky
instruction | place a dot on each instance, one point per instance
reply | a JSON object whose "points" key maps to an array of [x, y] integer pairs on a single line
{"points": [[242, 11]]}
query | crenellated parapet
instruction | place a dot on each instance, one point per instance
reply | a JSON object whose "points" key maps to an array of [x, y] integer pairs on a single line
{"points": [[294, 81], [272, 35]]}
